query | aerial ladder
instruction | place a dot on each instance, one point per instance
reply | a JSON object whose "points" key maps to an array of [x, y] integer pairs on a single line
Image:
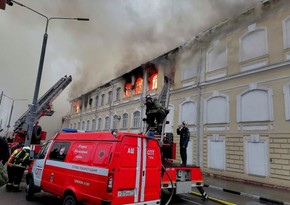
{"points": [[44, 108], [178, 179]]}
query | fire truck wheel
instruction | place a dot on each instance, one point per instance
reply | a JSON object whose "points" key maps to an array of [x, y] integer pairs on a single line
{"points": [[30, 190], [70, 199]]}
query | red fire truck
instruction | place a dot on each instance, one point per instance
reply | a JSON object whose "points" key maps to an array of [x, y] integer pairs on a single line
{"points": [[104, 168], [44, 108]]}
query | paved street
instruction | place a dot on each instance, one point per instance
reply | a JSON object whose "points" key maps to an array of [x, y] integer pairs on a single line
{"points": [[18, 198]]}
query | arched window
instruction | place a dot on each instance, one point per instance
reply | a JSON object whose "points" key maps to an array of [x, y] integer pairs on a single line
{"points": [[102, 99], [139, 85], [255, 105], [88, 125], [217, 57], [118, 94], [217, 109], [188, 112], [97, 101], [110, 97], [100, 124], [125, 118], [94, 125], [107, 123], [83, 125], [136, 119], [115, 121], [253, 44]]}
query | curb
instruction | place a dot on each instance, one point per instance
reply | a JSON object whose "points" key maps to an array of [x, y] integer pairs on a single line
{"points": [[261, 199]]}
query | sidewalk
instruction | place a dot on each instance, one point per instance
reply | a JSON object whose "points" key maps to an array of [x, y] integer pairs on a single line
{"points": [[264, 194]]}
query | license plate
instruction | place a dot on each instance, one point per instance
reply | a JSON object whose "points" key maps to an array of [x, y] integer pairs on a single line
{"points": [[126, 193]]}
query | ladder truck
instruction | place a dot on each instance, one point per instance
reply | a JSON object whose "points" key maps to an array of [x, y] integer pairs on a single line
{"points": [[176, 178], [44, 108]]}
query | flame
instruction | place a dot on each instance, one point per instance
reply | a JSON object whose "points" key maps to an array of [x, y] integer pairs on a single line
{"points": [[153, 81], [128, 87], [76, 106], [139, 85]]}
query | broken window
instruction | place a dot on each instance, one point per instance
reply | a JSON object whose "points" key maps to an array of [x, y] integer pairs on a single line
{"points": [[138, 85], [76, 106], [128, 87], [153, 81]]}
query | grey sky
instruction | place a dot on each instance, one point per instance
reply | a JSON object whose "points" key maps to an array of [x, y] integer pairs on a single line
{"points": [[121, 35]]}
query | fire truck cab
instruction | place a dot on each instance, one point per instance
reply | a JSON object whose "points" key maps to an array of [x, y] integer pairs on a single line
{"points": [[100, 168]]}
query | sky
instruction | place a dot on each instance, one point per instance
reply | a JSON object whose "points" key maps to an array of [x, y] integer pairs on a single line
{"points": [[120, 36]]}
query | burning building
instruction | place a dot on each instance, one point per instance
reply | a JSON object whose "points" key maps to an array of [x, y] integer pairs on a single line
{"points": [[230, 83]]}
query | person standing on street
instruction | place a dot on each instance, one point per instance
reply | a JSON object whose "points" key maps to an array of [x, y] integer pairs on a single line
{"points": [[184, 133], [16, 166]]}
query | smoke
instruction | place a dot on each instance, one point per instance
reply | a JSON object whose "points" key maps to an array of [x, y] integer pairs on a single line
{"points": [[121, 35]]}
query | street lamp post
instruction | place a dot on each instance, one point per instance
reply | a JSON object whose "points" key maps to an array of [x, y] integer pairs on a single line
{"points": [[11, 111], [31, 119]]}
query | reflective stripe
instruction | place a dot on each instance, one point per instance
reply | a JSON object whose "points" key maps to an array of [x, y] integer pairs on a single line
{"points": [[146, 203], [78, 167], [138, 170], [144, 169]]}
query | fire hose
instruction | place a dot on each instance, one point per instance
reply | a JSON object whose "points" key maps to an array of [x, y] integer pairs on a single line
{"points": [[172, 190]]}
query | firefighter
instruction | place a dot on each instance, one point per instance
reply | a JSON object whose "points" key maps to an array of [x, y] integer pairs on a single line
{"points": [[16, 166], [184, 133], [155, 113]]}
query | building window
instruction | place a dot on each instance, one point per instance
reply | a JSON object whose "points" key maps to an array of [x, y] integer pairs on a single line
{"points": [[188, 65], [102, 99], [75, 126], [118, 94], [128, 87], [94, 125], [125, 118], [139, 85], [255, 105], [79, 125], [217, 57], [110, 97], [59, 151], [217, 109], [83, 125], [286, 92], [253, 44], [107, 123], [286, 28], [88, 125], [76, 106], [136, 119], [90, 103], [153, 79], [97, 101], [99, 124], [115, 121], [188, 112]]}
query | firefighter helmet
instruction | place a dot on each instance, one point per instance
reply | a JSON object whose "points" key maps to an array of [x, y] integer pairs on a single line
{"points": [[27, 148], [148, 97]]}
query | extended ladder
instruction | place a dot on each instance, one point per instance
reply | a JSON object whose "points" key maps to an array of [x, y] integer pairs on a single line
{"points": [[44, 107]]}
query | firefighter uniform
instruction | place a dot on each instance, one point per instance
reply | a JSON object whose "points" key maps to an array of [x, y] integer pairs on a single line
{"points": [[16, 166], [155, 113]]}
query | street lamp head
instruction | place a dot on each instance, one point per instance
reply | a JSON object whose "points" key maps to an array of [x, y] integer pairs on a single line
{"points": [[83, 19], [9, 2]]}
